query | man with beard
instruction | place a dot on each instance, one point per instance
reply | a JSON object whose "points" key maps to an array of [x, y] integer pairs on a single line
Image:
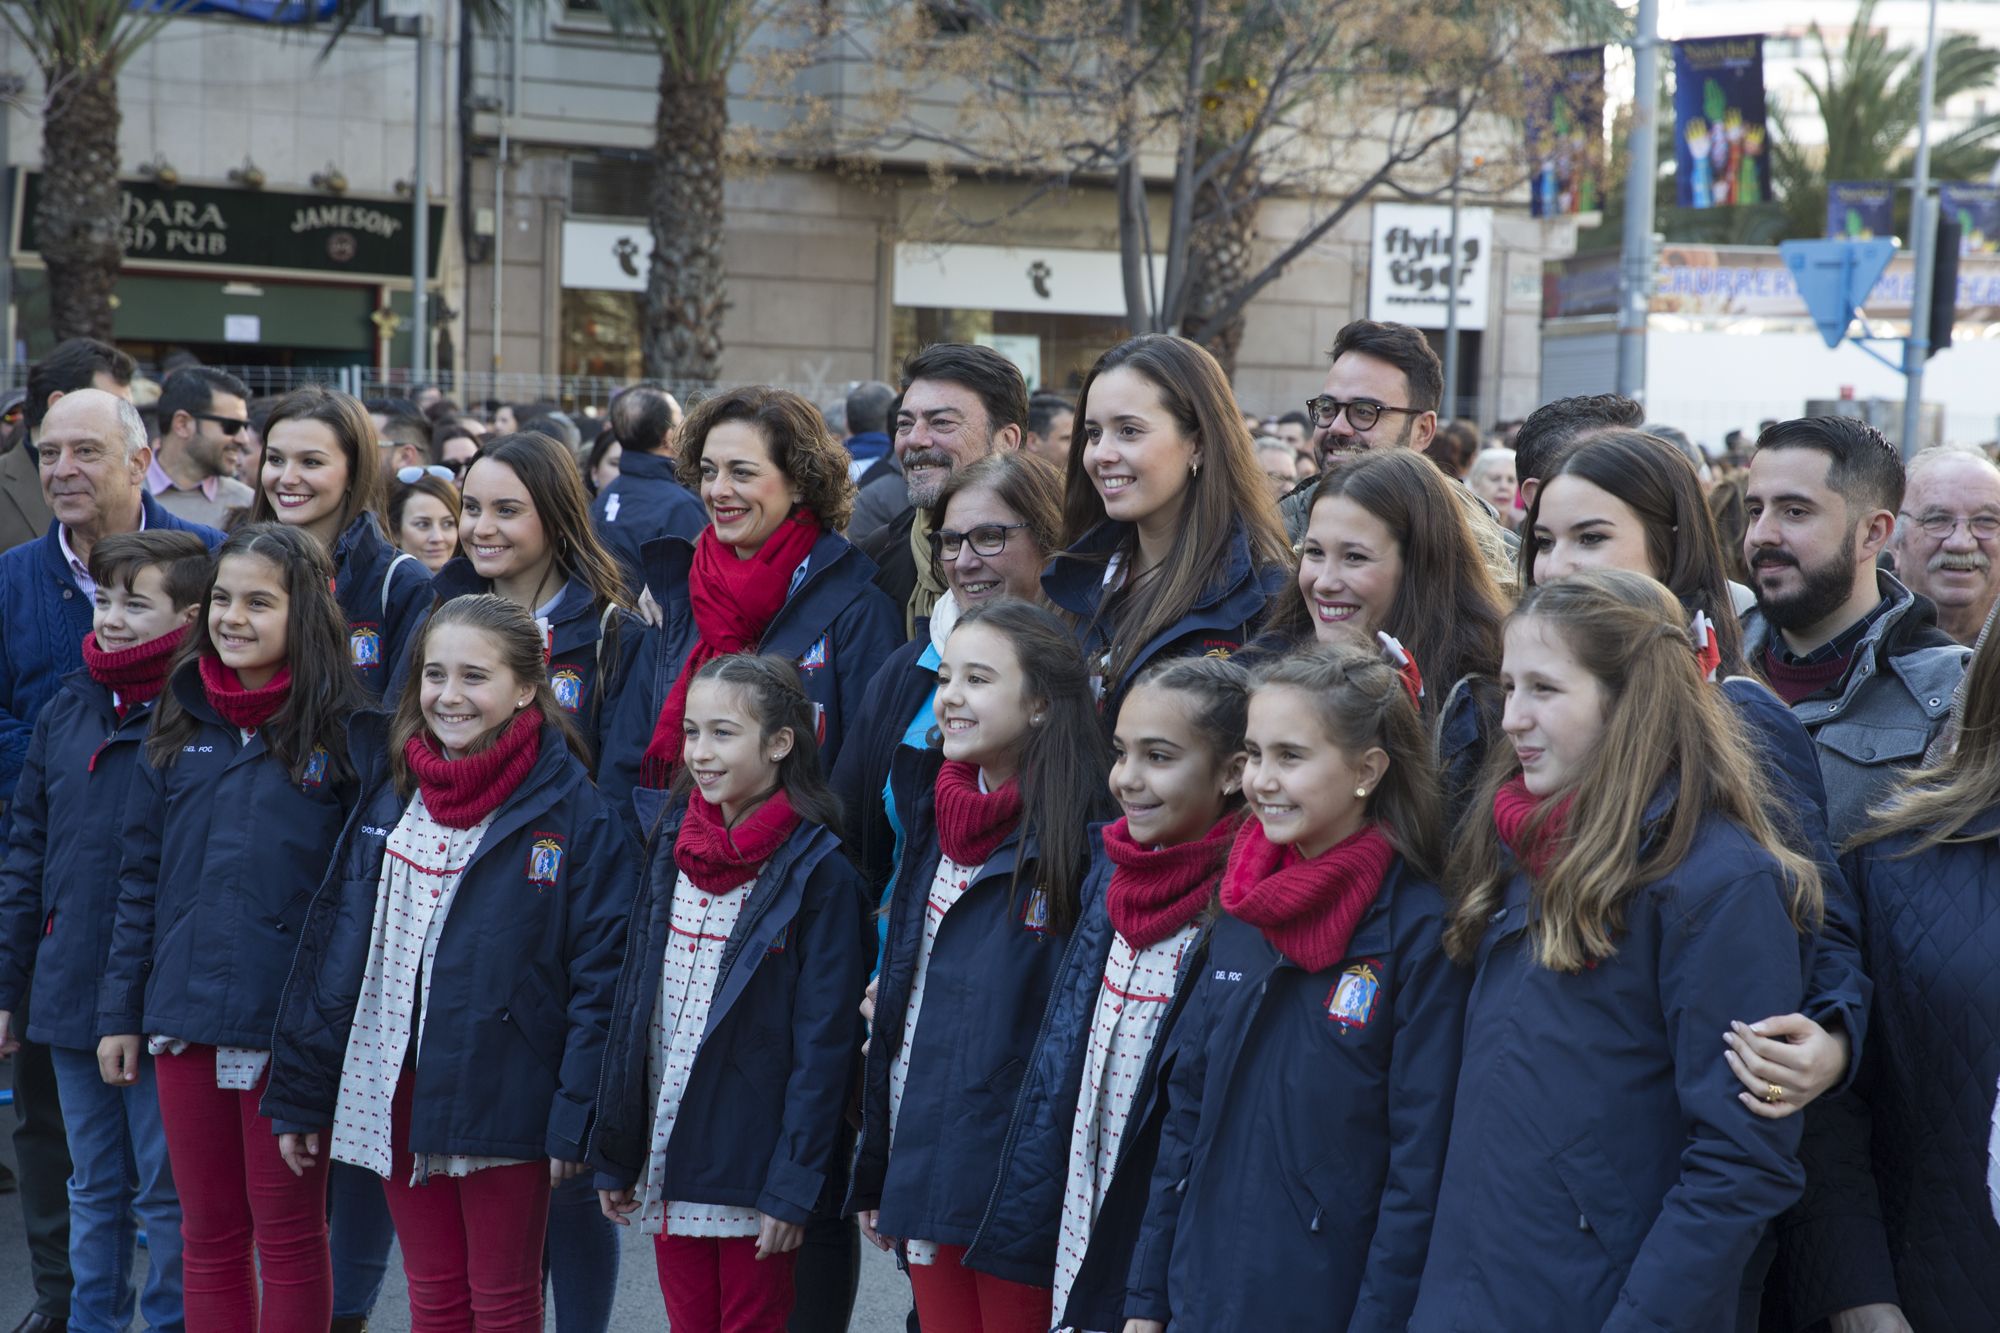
{"points": [[1947, 535], [201, 413], [1857, 655], [960, 403]]}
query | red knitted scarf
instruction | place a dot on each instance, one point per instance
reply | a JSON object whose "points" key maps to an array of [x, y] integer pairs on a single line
{"points": [[717, 858], [971, 823], [461, 792], [246, 710], [136, 674], [1794, 681], [1307, 909], [1154, 891], [1513, 806], [733, 602]]}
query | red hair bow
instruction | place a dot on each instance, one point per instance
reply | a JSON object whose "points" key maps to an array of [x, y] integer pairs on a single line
{"points": [[1406, 666]]}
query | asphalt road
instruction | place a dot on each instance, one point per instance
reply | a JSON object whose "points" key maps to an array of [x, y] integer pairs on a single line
{"points": [[883, 1302]]}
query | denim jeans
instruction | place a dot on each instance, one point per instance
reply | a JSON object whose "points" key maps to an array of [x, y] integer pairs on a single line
{"points": [[582, 1257], [118, 1168], [359, 1233]]}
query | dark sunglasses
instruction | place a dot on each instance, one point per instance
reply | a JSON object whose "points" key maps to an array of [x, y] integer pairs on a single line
{"points": [[988, 539], [408, 475], [230, 425]]}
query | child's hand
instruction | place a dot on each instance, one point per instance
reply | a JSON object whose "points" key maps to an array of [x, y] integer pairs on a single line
{"points": [[559, 1171], [1790, 1054], [775, 1237], [868, 999], [300, 1151], [868, 1217], [1144, 1326], [617, 1205], [10, 1041], [118, 1060]]}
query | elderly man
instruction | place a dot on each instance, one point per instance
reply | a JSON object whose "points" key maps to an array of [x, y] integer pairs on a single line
{"points": [[1947, 534], [76, 363]]}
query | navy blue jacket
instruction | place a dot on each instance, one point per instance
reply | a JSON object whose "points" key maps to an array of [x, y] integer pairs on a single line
{"points": [[835, 624], [594, 650], [760, 1121], [1602, 1174], [991, 970], [867, 761], [1018, 1238], [643, 503], [46, 616], [59, 882], [1222, 620], [1298, 1167], [222, 852], [380, 629], [520, 998]]}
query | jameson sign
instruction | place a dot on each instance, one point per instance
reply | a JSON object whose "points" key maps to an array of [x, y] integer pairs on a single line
{"points": [[193, 224]]}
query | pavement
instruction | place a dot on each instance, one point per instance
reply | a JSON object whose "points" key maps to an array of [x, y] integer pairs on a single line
{"points": [[880, 1308]]}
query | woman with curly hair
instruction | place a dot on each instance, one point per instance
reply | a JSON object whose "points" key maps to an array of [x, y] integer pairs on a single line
{"points": [[769, 574]]}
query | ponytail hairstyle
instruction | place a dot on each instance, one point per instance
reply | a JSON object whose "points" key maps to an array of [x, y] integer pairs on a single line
{"points": [[1218, 692], [1065, 760], [521, 646], [324, 690], [1663, 722], [775, 698], [1361, 703]]}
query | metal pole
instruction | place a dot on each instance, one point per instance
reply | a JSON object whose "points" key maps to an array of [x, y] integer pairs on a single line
{"points": [[1635, 271], [1451, 277], [1923, 222], [420, 334]]}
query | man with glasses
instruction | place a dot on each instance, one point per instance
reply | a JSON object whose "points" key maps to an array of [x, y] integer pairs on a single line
{"points": [[1947, 534], [201, 413], [403, 439]]}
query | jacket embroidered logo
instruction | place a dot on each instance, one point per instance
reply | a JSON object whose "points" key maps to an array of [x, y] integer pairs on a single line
{"points": [[315, 773], [568, 687], [815, 657], [545, 858], [1351, 1002], [364, 646], [1035, 916]]}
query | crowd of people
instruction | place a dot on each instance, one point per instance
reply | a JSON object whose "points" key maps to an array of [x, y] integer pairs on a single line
{"points": [[1146, 866]]}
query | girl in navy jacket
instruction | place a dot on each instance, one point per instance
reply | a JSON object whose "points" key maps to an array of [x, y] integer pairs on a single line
{"points": [[58, 895], [1308, 1110], [1623, 897], [320, 474], [229, 825], [443, 1025], [988, 892], [735, 1034], [1079, 1153]]}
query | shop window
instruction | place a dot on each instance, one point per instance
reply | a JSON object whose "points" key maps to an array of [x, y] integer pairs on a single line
{"points": [[600, 334], [1068, 344]]}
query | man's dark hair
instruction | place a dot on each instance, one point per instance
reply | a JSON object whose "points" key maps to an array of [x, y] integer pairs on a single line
{"points": [[1555, 426], [193, 390], [1044, 408], [409, 428], [390, 407], [1402, 347], [1297, 419], [72, 365], [995, 379], [868, 408], [642, 417], [1864, 468]]}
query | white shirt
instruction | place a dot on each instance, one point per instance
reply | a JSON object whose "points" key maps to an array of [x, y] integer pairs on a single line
{"points": [[79, 569]]}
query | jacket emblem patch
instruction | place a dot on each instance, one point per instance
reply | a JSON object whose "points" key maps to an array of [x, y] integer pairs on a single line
{"points": [[815, 656], [1035, 916], [315, 774], [778, 945], [1351, 1002], [567, 685], [364, 646], [545, 858]]}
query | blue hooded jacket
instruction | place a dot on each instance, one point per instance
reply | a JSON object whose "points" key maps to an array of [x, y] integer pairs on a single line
{"points": [[643, 503]]}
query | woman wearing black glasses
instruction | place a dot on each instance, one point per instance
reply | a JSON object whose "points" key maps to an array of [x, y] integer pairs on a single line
{"points": [[993, 527], [321, 474]]}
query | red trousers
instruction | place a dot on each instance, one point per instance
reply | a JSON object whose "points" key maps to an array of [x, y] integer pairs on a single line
{"points": [[719, 1285], [472, 1246], [234, 1188], [952, 1298]]}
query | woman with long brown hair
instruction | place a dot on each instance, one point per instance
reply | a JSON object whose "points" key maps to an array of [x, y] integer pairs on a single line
{"points": [[1173, 545]]}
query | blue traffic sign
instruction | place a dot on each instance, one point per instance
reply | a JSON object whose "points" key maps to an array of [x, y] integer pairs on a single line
{"points": [[1834, 278]]}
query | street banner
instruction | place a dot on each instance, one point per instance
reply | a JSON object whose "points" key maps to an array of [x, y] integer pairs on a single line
{"points": [[1719, 151], [1860, 210], [1565, 125], [1976, 209]]}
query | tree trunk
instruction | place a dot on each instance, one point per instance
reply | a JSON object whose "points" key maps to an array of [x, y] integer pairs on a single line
{"points": [[685, 289], [77, 217], [1218, 263]]}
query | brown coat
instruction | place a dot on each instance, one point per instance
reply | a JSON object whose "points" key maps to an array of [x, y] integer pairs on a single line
{"points": [[24, 513]]}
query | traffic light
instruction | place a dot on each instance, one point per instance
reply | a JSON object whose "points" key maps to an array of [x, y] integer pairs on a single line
{"points": [[1944, 284]]}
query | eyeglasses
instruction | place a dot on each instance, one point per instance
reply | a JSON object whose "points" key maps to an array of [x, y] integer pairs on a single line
{"points": [[1983, 527], [1361, 414], [988, 539], [409, 475], [230, 425]]}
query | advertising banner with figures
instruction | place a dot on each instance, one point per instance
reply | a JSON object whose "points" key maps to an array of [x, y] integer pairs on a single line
{"points": [[1565, 124], [1719, 149], [1860, 210]]}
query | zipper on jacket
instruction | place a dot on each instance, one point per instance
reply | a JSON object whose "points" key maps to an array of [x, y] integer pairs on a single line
{"points": [[636, 930]]}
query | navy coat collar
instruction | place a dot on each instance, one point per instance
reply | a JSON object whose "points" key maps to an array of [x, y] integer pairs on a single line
{"points": [[836, 572], [575, 618], [1074, 581]]}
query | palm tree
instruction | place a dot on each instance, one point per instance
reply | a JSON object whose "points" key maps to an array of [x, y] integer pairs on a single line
{"points": [[1869, 102]]}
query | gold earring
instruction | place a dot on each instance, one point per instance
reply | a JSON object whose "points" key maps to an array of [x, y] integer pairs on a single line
{"points": [[1361, 793]]}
